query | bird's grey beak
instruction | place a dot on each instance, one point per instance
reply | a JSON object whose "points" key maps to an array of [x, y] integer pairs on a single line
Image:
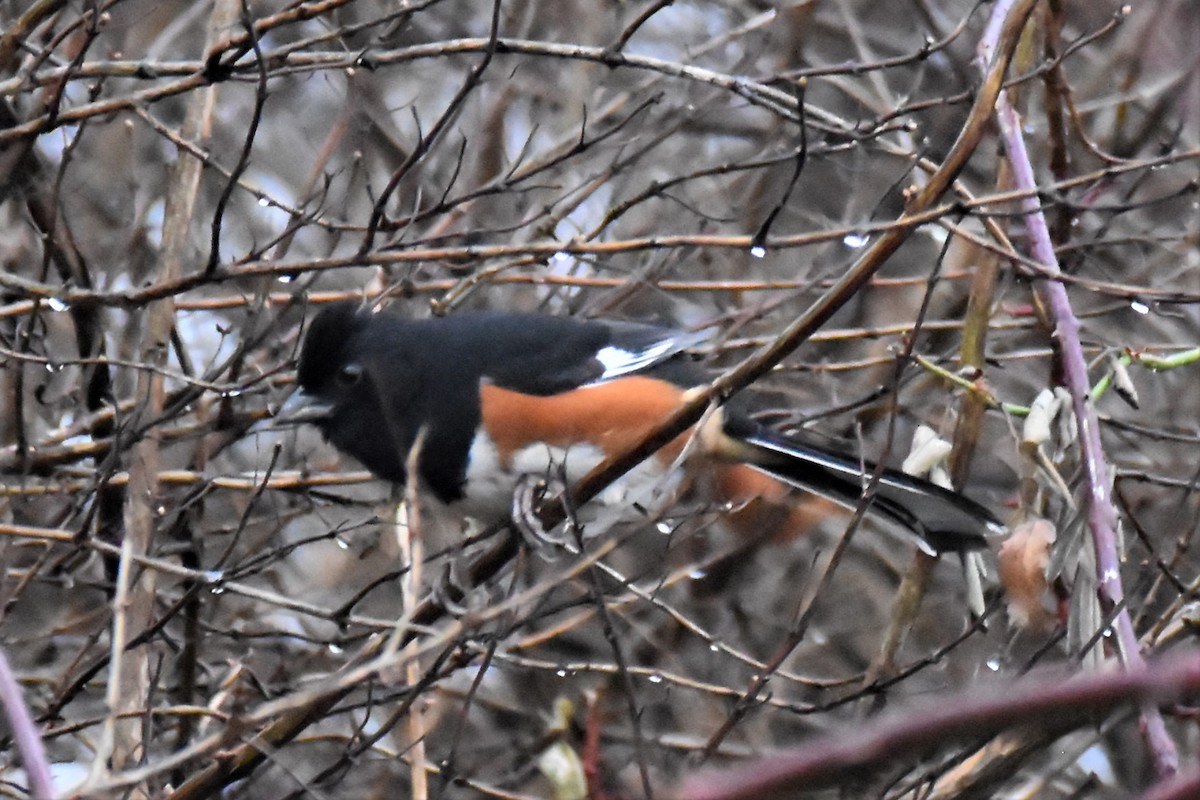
{"points": [[301, 407]]}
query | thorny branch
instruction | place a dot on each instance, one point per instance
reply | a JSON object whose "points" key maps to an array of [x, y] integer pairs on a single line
{"points": [[174, 205]]}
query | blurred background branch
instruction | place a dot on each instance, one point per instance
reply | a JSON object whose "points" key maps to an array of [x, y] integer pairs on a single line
{"points": [[182, 183]]}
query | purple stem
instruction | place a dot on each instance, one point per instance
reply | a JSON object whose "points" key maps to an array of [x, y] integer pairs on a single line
{"points": [[1185, 786], [1101, 513], [1050, 701], [29, 740]]}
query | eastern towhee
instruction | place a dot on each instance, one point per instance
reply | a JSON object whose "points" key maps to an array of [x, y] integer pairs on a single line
{"points": [[504, 395]]}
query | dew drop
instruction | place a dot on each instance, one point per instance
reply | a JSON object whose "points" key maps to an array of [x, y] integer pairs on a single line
{"points": [[57, 304], [855, 240], [758, 251], [1139, 306], [655, 677]]}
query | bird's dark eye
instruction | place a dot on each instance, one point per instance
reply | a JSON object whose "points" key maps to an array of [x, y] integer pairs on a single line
{"points": [[349, 374]]}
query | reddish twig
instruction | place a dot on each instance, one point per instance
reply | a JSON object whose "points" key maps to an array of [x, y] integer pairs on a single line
{"points": [[1101, 512]]}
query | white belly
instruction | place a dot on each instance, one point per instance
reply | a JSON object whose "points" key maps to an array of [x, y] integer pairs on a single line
{"points": [[491, 482]]}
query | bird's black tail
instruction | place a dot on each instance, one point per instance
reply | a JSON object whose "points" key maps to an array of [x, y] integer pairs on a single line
{"points": [[940, 520]]}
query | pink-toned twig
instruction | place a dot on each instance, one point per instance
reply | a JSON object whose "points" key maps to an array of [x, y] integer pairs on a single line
{"points": [[1184, 786], [1101, 512], [979, 712], [29, 741]]}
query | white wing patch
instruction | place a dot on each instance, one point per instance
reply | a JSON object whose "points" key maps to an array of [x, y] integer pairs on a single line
{"points": [[618, 361]]}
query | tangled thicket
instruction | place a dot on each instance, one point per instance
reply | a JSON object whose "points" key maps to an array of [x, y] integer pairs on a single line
{"points": [[195, 600]]}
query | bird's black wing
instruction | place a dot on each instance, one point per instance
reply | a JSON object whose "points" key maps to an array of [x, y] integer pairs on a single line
{"points": [[544, 355]]}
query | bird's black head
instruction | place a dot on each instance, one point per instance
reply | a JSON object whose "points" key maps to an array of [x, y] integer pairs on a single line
{"points": [[328, 362], [353, 383]]}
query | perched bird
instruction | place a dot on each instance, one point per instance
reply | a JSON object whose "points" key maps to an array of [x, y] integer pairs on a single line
{"points": [[504, 395]]}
